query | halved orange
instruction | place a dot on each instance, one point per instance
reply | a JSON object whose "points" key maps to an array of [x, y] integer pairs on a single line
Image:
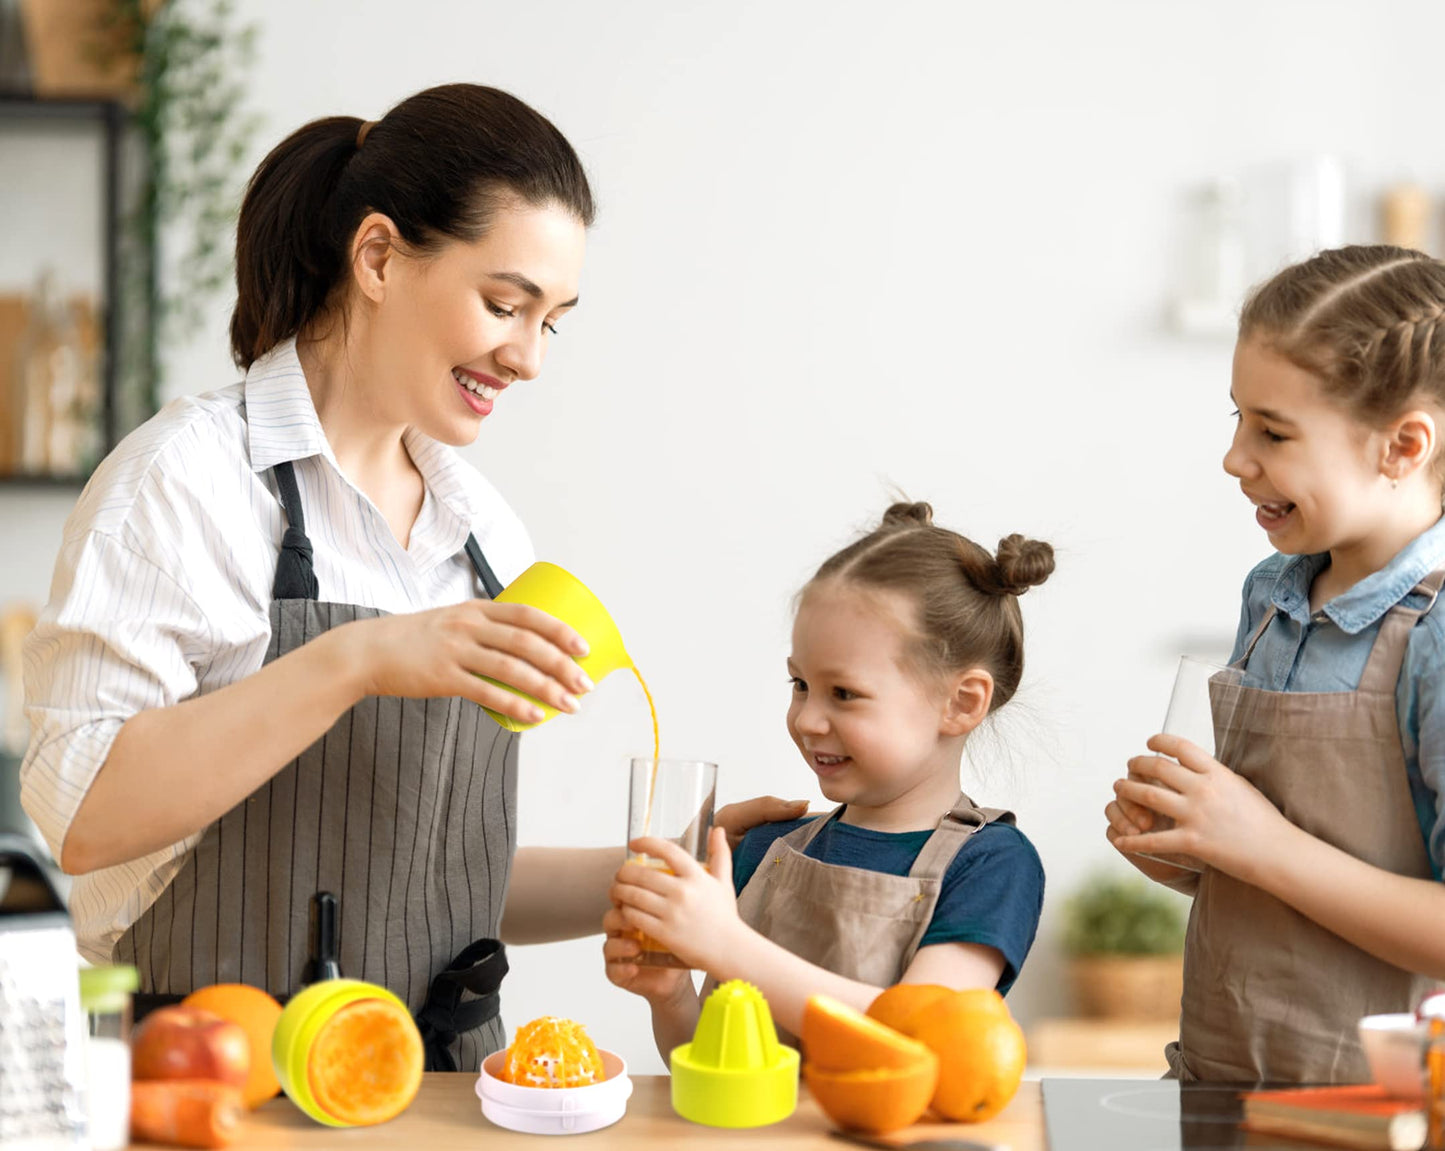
{"points": [[838, 1038], [365, 1064], [876, 1101]]}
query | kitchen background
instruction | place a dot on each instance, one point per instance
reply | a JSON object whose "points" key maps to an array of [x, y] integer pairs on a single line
{"points": [[985, 255]]}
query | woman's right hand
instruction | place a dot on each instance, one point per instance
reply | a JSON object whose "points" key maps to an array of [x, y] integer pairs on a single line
{"points": [[444, 652], [620, 951]]}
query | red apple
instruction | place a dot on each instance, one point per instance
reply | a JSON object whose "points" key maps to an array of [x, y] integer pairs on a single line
{"points": [[188, 1043]]}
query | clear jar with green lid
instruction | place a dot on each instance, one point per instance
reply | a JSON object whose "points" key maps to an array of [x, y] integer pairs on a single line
{"points": [[105, 998]]}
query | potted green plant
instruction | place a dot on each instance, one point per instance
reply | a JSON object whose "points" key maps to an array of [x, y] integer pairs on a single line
{"points": [[1124, 937]]}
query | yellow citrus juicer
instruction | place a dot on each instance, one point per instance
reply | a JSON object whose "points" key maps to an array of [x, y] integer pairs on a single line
{"points": [[735, 1073], [304, 1017], [559, 593]]}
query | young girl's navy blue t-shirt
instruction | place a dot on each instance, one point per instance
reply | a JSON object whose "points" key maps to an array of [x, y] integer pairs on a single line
{"points": [[992, 892]]}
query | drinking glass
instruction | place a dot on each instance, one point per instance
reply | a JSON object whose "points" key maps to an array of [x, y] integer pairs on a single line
{"points": [[670, 799], [1198, 715]]}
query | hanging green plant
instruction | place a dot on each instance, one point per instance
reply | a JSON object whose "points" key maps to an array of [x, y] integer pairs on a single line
{"points": [[193, 131]]}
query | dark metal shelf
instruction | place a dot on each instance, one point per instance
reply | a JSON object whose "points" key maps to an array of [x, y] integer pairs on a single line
{"points": [[113, 117], [40, 480], [20, 107]]}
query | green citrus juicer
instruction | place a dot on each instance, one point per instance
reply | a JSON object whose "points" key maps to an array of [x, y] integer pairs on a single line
{"points": [[735, 1073], [559, 593]]}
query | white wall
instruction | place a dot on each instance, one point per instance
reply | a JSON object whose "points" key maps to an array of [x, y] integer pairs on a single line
{"points": [[848, 246]]}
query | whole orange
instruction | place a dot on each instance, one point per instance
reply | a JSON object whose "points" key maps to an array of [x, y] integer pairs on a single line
{"points": [[981, 1053], [256, 1012], [895, 1005]]}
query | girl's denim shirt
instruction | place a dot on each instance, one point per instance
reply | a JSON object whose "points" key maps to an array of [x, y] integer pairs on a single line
{"points": [[1326, 651]]}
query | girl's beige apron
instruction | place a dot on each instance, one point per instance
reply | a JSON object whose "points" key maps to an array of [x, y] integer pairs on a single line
{"points": [[1269, 995], [405, 809], [860, 924]]}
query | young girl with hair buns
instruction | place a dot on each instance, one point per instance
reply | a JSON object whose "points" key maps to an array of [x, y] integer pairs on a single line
{"points": [[903, 643], [1323, 834]]}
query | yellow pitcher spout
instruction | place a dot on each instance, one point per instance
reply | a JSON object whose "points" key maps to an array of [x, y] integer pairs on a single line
{"points": [[559, 593]]}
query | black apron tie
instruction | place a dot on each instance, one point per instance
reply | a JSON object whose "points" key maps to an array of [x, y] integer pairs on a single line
{"points": [[479, 970], [295, 575]]}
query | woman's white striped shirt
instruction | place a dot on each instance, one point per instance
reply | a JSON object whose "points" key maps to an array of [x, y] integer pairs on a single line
{"points": [[162, 588]]}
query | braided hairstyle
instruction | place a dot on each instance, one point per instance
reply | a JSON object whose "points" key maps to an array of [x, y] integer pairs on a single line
{"points": [[966, 599], [1362, 320]]}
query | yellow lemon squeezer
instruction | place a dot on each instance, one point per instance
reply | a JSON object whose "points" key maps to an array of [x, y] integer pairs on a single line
{"points": [[735, 1073]]}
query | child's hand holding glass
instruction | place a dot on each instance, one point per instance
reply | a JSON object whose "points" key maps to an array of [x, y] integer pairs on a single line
{"points": [[687, 908], [1217, 816]]}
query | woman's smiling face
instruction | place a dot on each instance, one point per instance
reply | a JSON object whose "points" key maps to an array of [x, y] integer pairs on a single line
{"points": [[456, 327]]}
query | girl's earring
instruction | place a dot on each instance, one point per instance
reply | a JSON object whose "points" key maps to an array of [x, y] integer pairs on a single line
{"points": [[1394, 484]]}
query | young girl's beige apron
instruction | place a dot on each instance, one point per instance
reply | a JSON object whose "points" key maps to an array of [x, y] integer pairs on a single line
{"points": [[859, 924], [1268, 993]]}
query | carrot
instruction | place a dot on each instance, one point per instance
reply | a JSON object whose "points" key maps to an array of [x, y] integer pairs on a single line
{"points": [[185, 1112]]}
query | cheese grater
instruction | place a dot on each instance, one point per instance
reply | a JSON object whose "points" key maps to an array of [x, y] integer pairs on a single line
{"points": [[42, 1031]]}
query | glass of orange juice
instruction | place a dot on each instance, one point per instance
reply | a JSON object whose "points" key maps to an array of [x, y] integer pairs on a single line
{"points": [[671, 799]]}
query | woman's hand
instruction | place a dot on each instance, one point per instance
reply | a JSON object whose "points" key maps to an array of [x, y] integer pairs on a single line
{"points": [[1220, 818], [443, 652], [620, 951], [737, 819], [690, 910]]}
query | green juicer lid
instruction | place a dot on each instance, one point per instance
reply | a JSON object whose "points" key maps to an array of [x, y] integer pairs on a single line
{"points": [[107, 989]]}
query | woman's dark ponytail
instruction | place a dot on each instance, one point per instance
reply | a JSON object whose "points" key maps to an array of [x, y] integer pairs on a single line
{"points": [[288, 255], [437, 165]]}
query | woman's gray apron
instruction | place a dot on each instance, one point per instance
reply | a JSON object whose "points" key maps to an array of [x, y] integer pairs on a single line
{"points": [[1270, 995], [857, 923], [405, 809]]}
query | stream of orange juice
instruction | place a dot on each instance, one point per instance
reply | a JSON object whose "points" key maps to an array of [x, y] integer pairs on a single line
{"points": [[654, 954]]}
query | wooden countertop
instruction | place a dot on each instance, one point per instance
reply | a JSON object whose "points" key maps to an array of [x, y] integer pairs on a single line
{"points": [[447, 1114]]}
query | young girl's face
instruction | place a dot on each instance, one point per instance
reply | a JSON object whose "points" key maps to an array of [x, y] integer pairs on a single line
{"points": [[867, 725], [1310, 467]]}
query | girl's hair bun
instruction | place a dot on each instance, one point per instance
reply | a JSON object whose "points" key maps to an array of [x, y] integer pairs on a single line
{"points": [[906, 515], [1023, 563]]}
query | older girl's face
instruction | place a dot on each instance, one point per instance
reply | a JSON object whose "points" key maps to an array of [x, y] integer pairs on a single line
{"points": [[455, 328], [1311, 469]]}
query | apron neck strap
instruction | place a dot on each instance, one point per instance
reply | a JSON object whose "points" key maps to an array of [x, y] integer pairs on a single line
{"points": [[295, 570], [1382, 669], [295, 573], [810, 829], [1243, 660], [490, 583], [963, 819]]}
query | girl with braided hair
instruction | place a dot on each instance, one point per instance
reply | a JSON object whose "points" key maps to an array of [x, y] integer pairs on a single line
{"points": [[1322, 834], [903, 643]]}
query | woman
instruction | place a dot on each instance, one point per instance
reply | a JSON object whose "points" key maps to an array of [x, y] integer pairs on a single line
{"points": [[258, 675]]}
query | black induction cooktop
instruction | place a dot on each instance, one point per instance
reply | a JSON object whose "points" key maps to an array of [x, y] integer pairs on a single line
{"points": [[1150, 1115]]}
